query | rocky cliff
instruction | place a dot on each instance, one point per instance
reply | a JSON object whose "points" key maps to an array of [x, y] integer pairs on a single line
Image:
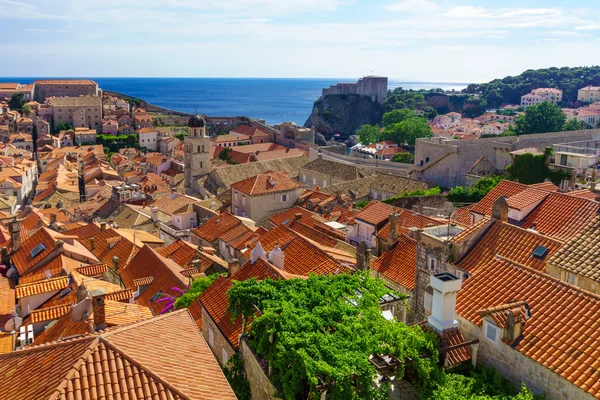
{"points": [[343, 114]]}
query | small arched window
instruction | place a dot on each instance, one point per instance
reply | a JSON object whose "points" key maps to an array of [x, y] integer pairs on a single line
{"points": [[199, 147]]}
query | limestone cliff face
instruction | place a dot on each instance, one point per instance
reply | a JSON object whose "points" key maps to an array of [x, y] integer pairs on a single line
{"points": [[343, 114]]}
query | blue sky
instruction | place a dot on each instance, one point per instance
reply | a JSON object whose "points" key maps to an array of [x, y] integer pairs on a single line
{"points": [[416, 40]]}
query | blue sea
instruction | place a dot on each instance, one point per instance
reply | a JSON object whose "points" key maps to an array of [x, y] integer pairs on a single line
{"points": [[274, 100]]}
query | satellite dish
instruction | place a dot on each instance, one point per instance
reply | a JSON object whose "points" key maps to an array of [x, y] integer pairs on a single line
{"points": [[82, 309], [13, 324]]}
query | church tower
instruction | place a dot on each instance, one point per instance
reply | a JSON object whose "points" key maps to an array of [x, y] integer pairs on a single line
{"points": [[196, 152]]}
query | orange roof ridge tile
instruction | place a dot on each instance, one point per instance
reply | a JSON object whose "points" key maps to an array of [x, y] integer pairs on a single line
{"points": [[47, 285], [550, 277]]}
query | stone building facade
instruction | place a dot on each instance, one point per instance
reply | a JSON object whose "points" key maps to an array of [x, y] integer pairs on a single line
{"points": [[217, 342], [371, 86], [80, 112], [44, 89], [196, 153]]}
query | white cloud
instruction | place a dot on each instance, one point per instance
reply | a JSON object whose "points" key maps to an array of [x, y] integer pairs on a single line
{"points": [[414, 6], [592, 27]]}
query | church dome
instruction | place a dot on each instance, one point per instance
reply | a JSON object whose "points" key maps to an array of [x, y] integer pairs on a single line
{"points": [[196, 121]]}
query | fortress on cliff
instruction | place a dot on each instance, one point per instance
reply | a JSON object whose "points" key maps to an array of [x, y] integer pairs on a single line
{"points": [[374, 87]]}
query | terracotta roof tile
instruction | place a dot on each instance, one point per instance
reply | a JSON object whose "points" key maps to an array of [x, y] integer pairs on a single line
{"points": [[166, 273], [526, 198], [462, 216], [7, 300], [175, 363], [92, 270], [561, 216], [398, 264], [284, 217], [504, 188], [212, 229], [195, 310], [45, 286], [7, 342], [268, 182], [562, 333], [511, 242], [48, 313], [142, 281], [375, 213], [500, 313]]}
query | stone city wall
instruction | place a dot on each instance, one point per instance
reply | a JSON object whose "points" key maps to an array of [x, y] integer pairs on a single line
{"points": [[260, 385]]}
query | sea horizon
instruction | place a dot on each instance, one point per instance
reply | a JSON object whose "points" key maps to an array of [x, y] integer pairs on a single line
{"points": [[275, 100]]}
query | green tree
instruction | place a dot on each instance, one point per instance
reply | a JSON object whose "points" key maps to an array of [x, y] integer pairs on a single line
{"points": [[395, 116], [407, 158], [194, 291], [225, 154], [540, 118], [131, 139], [407, 131], [474, 193], [368, 134], [26, 110], [64, 126], [16, 102], [529, 169], [573, 125]]}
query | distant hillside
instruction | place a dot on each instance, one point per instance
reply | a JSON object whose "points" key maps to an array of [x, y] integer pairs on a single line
{"points": [[511, 88]]}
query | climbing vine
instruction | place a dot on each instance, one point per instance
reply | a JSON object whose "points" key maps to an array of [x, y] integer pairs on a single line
{"points": [[234, 372], [318, 334]]}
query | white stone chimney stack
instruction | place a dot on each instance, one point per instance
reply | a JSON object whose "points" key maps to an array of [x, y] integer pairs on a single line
{"points": [[443, 309], [257, 252], [277, 258]]}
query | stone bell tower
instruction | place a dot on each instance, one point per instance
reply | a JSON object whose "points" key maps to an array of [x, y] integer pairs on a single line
{"points": [[196, 152]]}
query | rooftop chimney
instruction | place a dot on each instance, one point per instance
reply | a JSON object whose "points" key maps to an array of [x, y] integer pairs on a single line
{"points": [[233, 266], [444, 285], [500, 209], [99, 312], [103, 226], [59, 245], [363, 256], [92, 243], [154, 212], [15, 235], [277, 258], [52, 218], [115, 260], [257, 252], [298, 216]]}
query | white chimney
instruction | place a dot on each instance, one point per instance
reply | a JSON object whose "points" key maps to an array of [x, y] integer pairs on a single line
{"points": [[445, 285], [277, 258], [257, 252], [154, 211]]}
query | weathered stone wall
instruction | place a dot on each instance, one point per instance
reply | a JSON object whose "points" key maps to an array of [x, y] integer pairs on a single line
{"points": [[518, 368], [431, 205], [446, 162], [219, 344], [260, 385]]}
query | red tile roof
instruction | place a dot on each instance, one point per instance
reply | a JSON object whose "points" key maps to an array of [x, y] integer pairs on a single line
{"points": [[92, 270], [285, 217], [462, 216], [269, 182], [504, 188], [375, 213], [174, 363], [166, 273], [561, 216], [399, 264], [511, 242], [45, 286], [563, 333], [526, 198], [500, 313], [212, 229]]}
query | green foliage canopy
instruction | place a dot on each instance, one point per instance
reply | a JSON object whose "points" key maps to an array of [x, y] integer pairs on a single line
{"points": [[16, 102], [195, 290], [434, 191], [322, 330], [540, 118], [529, 169], [406, 158], [474, 193], [368, 134]]}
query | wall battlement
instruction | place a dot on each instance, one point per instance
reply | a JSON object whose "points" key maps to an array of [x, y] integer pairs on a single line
{"points": [[374, 87]]}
